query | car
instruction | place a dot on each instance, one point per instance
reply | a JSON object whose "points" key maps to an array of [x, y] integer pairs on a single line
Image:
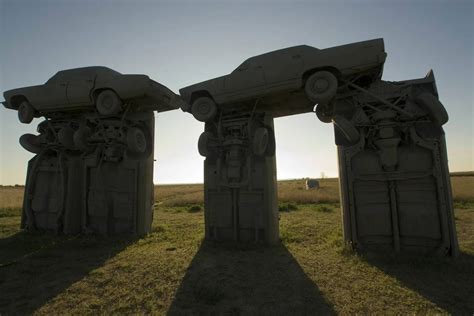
{"points": [[287, 81], [95, 88]]}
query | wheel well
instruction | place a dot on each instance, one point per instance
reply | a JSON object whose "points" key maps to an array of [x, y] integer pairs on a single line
{"points": [[309, 72], [16, 100], [201, 93]]}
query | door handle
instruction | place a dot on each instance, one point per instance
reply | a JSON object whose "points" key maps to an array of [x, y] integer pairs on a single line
{"points": [[63, 84], [296, 56]]}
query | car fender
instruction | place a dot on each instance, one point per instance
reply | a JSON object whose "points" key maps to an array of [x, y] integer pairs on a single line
{"points": [[14, 97], [213, 87]]}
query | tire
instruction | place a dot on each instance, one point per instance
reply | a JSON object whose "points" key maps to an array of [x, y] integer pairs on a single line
{"points": [[203, 144], [204, 109], [136, 140], [30, 143], [81, 137], [346, 128], [260, 141], [321, 87], [322, 113], [436, 110], [26, 112], [108, 103], [66, 137]]}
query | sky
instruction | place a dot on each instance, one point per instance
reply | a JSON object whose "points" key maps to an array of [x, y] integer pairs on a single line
{"points": [[178, 43]]}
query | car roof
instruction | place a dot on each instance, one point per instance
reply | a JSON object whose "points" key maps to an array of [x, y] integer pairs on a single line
{"points": [[278, 51], [82, 71]]}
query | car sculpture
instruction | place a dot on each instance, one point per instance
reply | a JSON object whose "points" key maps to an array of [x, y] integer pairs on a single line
{"points": [[288, 81], [89, 108], [90, 88]]}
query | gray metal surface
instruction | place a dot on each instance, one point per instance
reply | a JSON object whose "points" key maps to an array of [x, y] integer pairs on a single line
{"points": [[79, 89], [93, 168], [106, 188], [394, 177], [395, 185], [240, 179], [277, 79]]}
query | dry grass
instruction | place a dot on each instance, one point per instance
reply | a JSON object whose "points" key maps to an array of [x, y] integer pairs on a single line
{"points": [[11, 196], [171, 271], [294, 191], [288, 191], [179, 194], [463, 188]]}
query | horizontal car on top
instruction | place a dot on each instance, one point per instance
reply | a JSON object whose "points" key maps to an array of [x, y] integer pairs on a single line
{"points": [[287, 81], [90, 88]]}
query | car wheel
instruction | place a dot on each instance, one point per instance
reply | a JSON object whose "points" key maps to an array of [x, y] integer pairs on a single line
{"points": [[321, 87], [324, 113], [66, 137], [434, 107], [349, 131], [260, 141], [108, 103], [136, 140], [203, 144], [204, 109], [26, 112], [81, 137], [30, 143]]}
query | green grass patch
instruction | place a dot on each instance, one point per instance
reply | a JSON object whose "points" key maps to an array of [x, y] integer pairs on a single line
{"points": [[10, 211], [325, 208], [463, 205], [194, 209], [171, 271], [287, 207]]}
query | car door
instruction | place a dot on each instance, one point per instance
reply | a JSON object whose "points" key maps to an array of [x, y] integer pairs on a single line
{"points": [[282, 68], [246, 81], [51, 95], [79, 89]]}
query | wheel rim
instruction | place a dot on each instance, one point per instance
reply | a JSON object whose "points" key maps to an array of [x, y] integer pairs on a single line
{"points": [[140, 141], [107, 102], [320, 85], [204, 108], [260, 141], [264, 142]]}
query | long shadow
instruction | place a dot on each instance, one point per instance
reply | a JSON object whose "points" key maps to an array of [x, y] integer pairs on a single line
{"points": [[34, 268], [222, 279], [447, 282]]}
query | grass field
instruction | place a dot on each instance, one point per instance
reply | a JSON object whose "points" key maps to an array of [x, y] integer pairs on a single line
{"points": [[172, 271]]}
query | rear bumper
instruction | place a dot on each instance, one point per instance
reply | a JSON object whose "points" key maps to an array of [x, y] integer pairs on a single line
{"points": [[159, 98], [6, 105]]}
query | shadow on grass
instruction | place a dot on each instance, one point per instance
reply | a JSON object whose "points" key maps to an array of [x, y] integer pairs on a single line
{"points": [[254, 280], [447, 282], [34, 268]]}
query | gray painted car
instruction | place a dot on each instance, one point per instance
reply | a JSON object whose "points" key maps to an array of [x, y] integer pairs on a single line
{"points": [[288, 81], [79, 89]]}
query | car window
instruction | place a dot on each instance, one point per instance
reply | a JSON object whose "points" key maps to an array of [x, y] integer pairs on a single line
{"points": [[249, 63], [81, 73], [58, 77]]}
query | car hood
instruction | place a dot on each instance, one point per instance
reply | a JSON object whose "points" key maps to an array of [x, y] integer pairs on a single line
{"points": [[210, 86]]}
